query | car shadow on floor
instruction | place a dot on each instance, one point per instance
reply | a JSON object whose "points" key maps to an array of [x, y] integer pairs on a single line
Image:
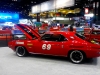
{"points": [[57, 58], [93, 61]]}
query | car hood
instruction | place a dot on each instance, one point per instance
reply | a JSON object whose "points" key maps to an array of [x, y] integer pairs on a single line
{"points": [[28, 31]]}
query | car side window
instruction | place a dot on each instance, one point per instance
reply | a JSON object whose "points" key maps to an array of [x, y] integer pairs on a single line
{"points": [[46, 37], [53, 37], [62, 38]]}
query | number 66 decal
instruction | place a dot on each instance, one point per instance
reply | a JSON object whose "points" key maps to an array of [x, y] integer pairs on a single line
{"points": [[48, 47]]}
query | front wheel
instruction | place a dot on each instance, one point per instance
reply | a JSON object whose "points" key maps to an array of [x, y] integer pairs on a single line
{"points": [[21, 51], [76, 56]]}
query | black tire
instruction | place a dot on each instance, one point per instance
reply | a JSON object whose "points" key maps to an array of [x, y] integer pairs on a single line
{"points": [[21, 51], [77, 56]]}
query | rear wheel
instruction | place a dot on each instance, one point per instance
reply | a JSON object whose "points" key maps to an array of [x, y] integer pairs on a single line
{"points": [[21, 51], [76, 56]]}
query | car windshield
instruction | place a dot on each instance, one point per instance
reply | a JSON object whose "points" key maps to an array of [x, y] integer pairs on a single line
{"points": [[80, 36]]}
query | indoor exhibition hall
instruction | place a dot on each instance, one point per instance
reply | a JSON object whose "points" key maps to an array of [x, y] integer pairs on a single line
{"points": [[49, 37]]}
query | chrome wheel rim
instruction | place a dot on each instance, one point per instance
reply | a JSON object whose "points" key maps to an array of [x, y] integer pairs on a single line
{"points": [[76, 56], [20, 51]]}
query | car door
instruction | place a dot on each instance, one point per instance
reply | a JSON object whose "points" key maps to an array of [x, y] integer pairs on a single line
{"points": [[55, 45], [37, 46], [47, 45], [64, 45], [52, 48], [40, 45]]}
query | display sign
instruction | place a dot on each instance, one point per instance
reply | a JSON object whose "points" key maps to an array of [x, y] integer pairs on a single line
{"points": [[9, 17], [46, 6], [64, 3], [36, 9], [51, 5]]}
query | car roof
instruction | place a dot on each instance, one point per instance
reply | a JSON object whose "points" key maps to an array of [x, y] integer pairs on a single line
{"points": [[60, 32]]}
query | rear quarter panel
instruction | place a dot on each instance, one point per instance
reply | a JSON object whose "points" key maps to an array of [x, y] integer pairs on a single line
{"points": [[25, 43]]}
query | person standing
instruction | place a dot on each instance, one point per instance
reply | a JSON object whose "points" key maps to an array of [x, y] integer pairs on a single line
{"points": [[71, 27]]}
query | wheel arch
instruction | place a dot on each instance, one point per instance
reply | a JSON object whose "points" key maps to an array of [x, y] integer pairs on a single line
{"points": [[20, 45]]}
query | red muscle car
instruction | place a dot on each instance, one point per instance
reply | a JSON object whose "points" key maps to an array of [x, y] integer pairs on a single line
{"points": [[56, 43]]}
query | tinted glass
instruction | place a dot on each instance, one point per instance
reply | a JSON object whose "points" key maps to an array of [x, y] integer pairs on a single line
{"points": [[62, 38], [53, 37], [80, 36], [46, 37], [19, 37]]}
